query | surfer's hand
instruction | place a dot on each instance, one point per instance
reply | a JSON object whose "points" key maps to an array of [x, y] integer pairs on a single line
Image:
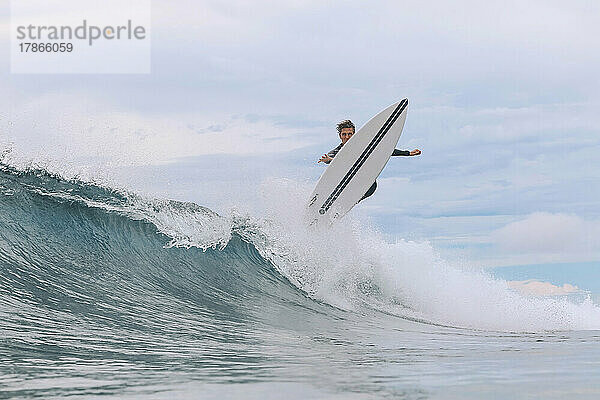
{"points": [[325, 159], [415, 152]]}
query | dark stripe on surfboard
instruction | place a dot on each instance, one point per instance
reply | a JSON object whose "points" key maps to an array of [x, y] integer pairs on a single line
{"points": [[363, 157]]}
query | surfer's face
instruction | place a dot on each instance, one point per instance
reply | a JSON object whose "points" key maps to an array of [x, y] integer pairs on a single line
{"points": [[346, 134]]}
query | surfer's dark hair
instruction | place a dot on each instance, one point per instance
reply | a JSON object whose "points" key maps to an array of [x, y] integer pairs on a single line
{"points": [[345, 124]]}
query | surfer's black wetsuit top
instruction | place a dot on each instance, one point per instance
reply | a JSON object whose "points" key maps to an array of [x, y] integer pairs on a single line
{"points": [[371, 190]]}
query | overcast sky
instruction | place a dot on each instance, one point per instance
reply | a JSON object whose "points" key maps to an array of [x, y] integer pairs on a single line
{"points": [[504, 102]]}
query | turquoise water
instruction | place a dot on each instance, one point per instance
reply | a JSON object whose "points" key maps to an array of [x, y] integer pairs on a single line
{"points": [[104, 294]]}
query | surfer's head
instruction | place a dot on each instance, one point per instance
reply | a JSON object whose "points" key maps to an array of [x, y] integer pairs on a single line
{"points": [[345, 130]]}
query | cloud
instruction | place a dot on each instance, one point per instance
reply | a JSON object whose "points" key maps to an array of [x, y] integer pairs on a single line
{"points": [[549, 233], [160, 138], [538, 288], [286, 55]]}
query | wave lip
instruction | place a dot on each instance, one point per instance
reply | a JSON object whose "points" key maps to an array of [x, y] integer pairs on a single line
{"points": [[83, 251]]}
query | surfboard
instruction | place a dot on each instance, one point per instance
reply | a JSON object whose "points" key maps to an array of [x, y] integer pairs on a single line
{"points": [[356, 166]]}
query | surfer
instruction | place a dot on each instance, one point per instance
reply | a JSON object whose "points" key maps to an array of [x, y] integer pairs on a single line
{"points": [[346, 129]]}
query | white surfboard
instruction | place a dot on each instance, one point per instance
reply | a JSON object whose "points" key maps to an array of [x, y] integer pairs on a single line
{"points": [[356, 166]]}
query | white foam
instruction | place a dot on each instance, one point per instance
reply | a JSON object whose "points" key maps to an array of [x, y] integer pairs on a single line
{"points": [[350, 265]]}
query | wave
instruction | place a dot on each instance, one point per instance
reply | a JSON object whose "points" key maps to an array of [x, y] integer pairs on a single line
{"points": [[79, 252]]}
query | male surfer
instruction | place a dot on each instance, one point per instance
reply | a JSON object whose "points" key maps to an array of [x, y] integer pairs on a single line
{"points": [[346, 130]]}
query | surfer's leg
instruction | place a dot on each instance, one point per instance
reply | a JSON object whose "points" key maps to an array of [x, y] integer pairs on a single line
{"points": [[370, 191]]}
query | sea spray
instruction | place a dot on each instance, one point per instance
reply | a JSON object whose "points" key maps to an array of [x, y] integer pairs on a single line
{"points": [[350, 264]]}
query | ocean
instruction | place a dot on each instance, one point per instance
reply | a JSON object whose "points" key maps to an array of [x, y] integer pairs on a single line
{"points": [[105, 293]]}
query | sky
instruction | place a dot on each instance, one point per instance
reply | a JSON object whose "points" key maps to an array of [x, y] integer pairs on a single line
{"points": [[504, 100]]}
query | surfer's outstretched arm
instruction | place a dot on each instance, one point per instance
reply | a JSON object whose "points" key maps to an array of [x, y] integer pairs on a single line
{"points": [[397, 152], [325, 158]]}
